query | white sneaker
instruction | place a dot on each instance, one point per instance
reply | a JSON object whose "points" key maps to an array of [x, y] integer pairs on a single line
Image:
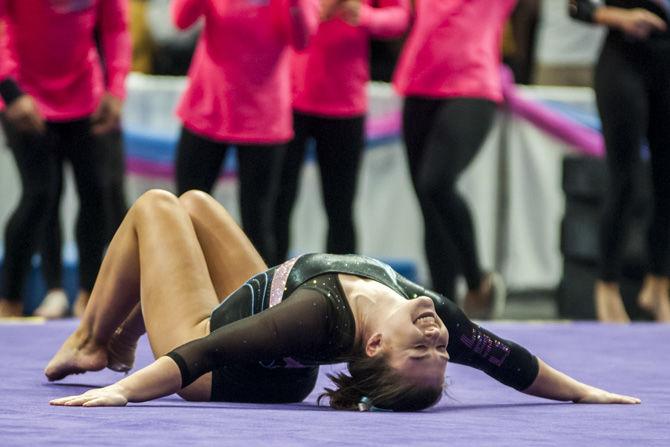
{"points": [[54, 305]]}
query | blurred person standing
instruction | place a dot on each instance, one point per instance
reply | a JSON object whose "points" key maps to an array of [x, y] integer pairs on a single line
{"points": [[632, 86], [239, 93], [449, 74], [329, 105], [57, 100]]}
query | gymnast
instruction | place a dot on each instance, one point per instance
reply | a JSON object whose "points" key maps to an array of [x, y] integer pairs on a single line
{"points": [[176, 269]]}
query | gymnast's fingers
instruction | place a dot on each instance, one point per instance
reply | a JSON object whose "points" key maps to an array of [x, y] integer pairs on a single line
{"points": [[61, 400], [621, 399]]}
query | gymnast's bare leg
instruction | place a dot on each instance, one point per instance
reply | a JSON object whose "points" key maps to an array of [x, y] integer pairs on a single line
{"points": [[156, 259]]}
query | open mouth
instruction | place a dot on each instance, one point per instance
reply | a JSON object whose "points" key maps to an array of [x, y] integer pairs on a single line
{"points": [[426, 319]]}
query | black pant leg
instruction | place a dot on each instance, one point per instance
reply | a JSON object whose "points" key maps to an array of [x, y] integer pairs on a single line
{"points": [[339, 147], [418, 118], [34, 157], [198, 162], [622, 105], [658, 136], [259, 171], [458, 131], [52, 239], [114, 182], [86, 156], [291, 167]]}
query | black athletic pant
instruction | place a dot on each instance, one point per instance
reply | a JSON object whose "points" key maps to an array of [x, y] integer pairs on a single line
{"points": [[115, 208], [632, 84], [199, 162], [442, 137], [339, 145], [39, 158]]}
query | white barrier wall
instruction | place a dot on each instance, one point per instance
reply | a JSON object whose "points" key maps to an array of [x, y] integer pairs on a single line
{"points": [[388, 218]]}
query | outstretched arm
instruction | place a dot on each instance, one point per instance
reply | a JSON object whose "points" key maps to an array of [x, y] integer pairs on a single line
{"points": [[505, 361], [161, 378], [553, 384], [298, 327]]}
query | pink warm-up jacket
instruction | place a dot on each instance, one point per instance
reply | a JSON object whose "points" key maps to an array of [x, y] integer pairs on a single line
{"points": [[330, 76], [454, 50], [48, 49], [239, 88]]}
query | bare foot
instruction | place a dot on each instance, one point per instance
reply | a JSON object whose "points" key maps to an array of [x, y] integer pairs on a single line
{"points": [[80, 304], [77, 355], [489, 300], [655, 297], [609, 304], [10, 309], [121, 351]]}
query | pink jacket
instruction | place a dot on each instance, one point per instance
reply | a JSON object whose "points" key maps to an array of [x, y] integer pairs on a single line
{"points": [[239, 88], [330, 77], [454, 50], [48, 50]]}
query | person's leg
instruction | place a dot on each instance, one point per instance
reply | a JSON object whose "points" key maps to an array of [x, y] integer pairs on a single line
{"points": [[154, 258], [654, 295], [623, 109], [115, 172], [230, 258], [55, 303], [198, 162], [258, 179], [288, 184], [34, 158], [418, 117], [86, 156], [339, 147]]}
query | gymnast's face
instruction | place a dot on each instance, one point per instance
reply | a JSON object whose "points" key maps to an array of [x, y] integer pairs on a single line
{"points": [[415, 340]]}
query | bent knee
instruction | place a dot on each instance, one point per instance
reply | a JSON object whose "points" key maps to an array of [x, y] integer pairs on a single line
{"points": [[155, 198], [197, 202]]}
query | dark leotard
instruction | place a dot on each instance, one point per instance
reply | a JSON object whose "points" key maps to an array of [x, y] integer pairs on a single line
{"points": [[270, 335]]}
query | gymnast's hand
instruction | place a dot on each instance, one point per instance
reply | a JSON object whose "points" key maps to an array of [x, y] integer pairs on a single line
{"points": [[593, 395], [109, 396]]}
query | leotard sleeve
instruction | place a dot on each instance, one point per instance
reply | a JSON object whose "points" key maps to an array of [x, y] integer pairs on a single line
{"points": [[300, 327], [474, 346]]}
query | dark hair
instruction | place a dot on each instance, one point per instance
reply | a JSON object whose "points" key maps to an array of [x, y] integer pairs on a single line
{"points": [[385, 388]]}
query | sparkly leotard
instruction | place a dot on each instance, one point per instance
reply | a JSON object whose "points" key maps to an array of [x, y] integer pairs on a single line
{"points": [[270, 335]]}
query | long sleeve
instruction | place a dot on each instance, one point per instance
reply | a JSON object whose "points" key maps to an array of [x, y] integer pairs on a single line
{"points": [[390, 19], [582, 9], [302, 18], [186, 12], [474, 346], [299, 328], [116, 45]]}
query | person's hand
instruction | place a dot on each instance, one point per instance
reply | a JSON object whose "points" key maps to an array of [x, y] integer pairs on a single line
{"points": [[639, 23], [109, 396], [24, 115], [108, 115], [328, 9], [350, 11], [593, 395]]}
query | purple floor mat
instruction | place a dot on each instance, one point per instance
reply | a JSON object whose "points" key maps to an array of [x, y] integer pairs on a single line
{"points": [[477, 411]]}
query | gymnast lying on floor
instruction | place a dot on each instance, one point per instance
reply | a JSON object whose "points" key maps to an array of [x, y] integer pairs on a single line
{"points": [[176, 269]]}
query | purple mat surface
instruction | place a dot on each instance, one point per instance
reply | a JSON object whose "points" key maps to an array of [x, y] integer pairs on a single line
{"points": [[477, 411]]}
